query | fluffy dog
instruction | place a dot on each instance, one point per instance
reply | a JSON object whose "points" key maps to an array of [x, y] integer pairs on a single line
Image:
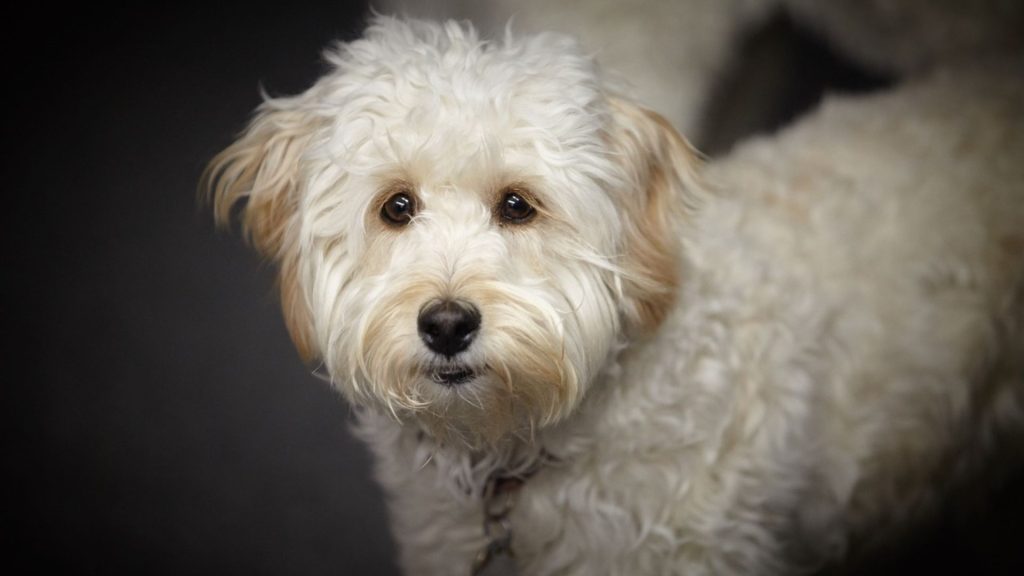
{"points": [[567, 340]]}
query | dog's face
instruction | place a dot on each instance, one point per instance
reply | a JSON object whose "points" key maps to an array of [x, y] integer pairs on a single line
{"points": [[465, 232]]}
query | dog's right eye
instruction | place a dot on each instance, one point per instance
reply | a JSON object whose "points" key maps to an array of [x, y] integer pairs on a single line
{"points": [[399, 209]]}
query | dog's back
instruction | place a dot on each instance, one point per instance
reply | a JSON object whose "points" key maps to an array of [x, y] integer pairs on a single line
{"points": [[891, 230]]}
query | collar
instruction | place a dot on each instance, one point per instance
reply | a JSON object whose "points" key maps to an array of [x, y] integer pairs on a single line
{"points": [[499, 498]]}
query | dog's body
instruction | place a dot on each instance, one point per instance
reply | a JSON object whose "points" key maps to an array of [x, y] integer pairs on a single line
{"points": [[727, 371]]}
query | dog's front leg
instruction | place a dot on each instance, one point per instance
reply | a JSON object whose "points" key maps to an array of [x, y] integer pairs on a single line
{"points": [[436, 517]]}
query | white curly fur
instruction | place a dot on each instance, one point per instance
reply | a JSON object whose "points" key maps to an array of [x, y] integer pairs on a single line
{"points": [[739, 372], [671, 53]]}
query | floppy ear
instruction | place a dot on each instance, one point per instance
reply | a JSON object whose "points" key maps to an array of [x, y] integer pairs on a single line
{"points": [[663, 188], [260, 173]]}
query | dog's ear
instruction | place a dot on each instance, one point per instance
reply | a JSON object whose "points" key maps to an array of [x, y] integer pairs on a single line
{"points": [[257, 179], [661, 168]]}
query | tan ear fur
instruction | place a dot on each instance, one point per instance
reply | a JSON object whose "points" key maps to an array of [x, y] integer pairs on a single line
{"points": [[261, 168], [663, 171]]}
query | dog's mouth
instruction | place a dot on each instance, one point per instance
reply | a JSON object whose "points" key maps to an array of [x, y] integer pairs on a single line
{"points": [[452, 375]]}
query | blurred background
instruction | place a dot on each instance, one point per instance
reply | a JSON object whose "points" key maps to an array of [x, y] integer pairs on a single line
{"points": [[156, 419]]}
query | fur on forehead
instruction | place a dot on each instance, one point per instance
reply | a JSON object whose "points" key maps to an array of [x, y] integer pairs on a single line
{"points": [[436, 100]]}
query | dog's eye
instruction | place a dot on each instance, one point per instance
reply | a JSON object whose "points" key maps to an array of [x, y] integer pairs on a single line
{"points": [[399, 209], [515, 209]]}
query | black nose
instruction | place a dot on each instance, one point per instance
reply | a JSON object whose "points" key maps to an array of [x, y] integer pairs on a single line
{"points": [[448, 327]]}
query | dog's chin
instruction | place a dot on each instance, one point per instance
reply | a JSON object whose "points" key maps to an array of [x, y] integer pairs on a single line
{"points": [[452, 375], [470, 406], [470, 400]]}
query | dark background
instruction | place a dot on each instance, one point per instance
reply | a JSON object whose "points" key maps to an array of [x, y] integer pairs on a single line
{"points": [[155, 417]]}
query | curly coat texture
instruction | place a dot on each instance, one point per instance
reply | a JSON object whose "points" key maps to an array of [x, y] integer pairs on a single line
{"points": [[741, 368]]}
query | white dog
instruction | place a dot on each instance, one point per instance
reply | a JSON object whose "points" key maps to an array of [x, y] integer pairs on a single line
{"points": [[570, 342]]}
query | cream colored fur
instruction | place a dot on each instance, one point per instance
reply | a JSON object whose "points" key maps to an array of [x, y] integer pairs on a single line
{"points": [[741, 368], [669, 55], [666, 54]]}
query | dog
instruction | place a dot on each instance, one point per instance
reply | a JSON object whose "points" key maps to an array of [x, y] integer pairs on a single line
{"points": [[575, 346]]}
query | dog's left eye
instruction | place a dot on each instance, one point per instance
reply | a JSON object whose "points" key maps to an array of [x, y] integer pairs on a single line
{"points": [[399, 209], [515, 209]]}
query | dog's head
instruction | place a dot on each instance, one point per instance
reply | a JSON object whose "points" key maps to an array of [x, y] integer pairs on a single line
{"points": [[465, 231]]}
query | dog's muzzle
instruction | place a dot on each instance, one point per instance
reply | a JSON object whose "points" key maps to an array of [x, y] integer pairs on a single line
{"points": [[448, 326]]}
